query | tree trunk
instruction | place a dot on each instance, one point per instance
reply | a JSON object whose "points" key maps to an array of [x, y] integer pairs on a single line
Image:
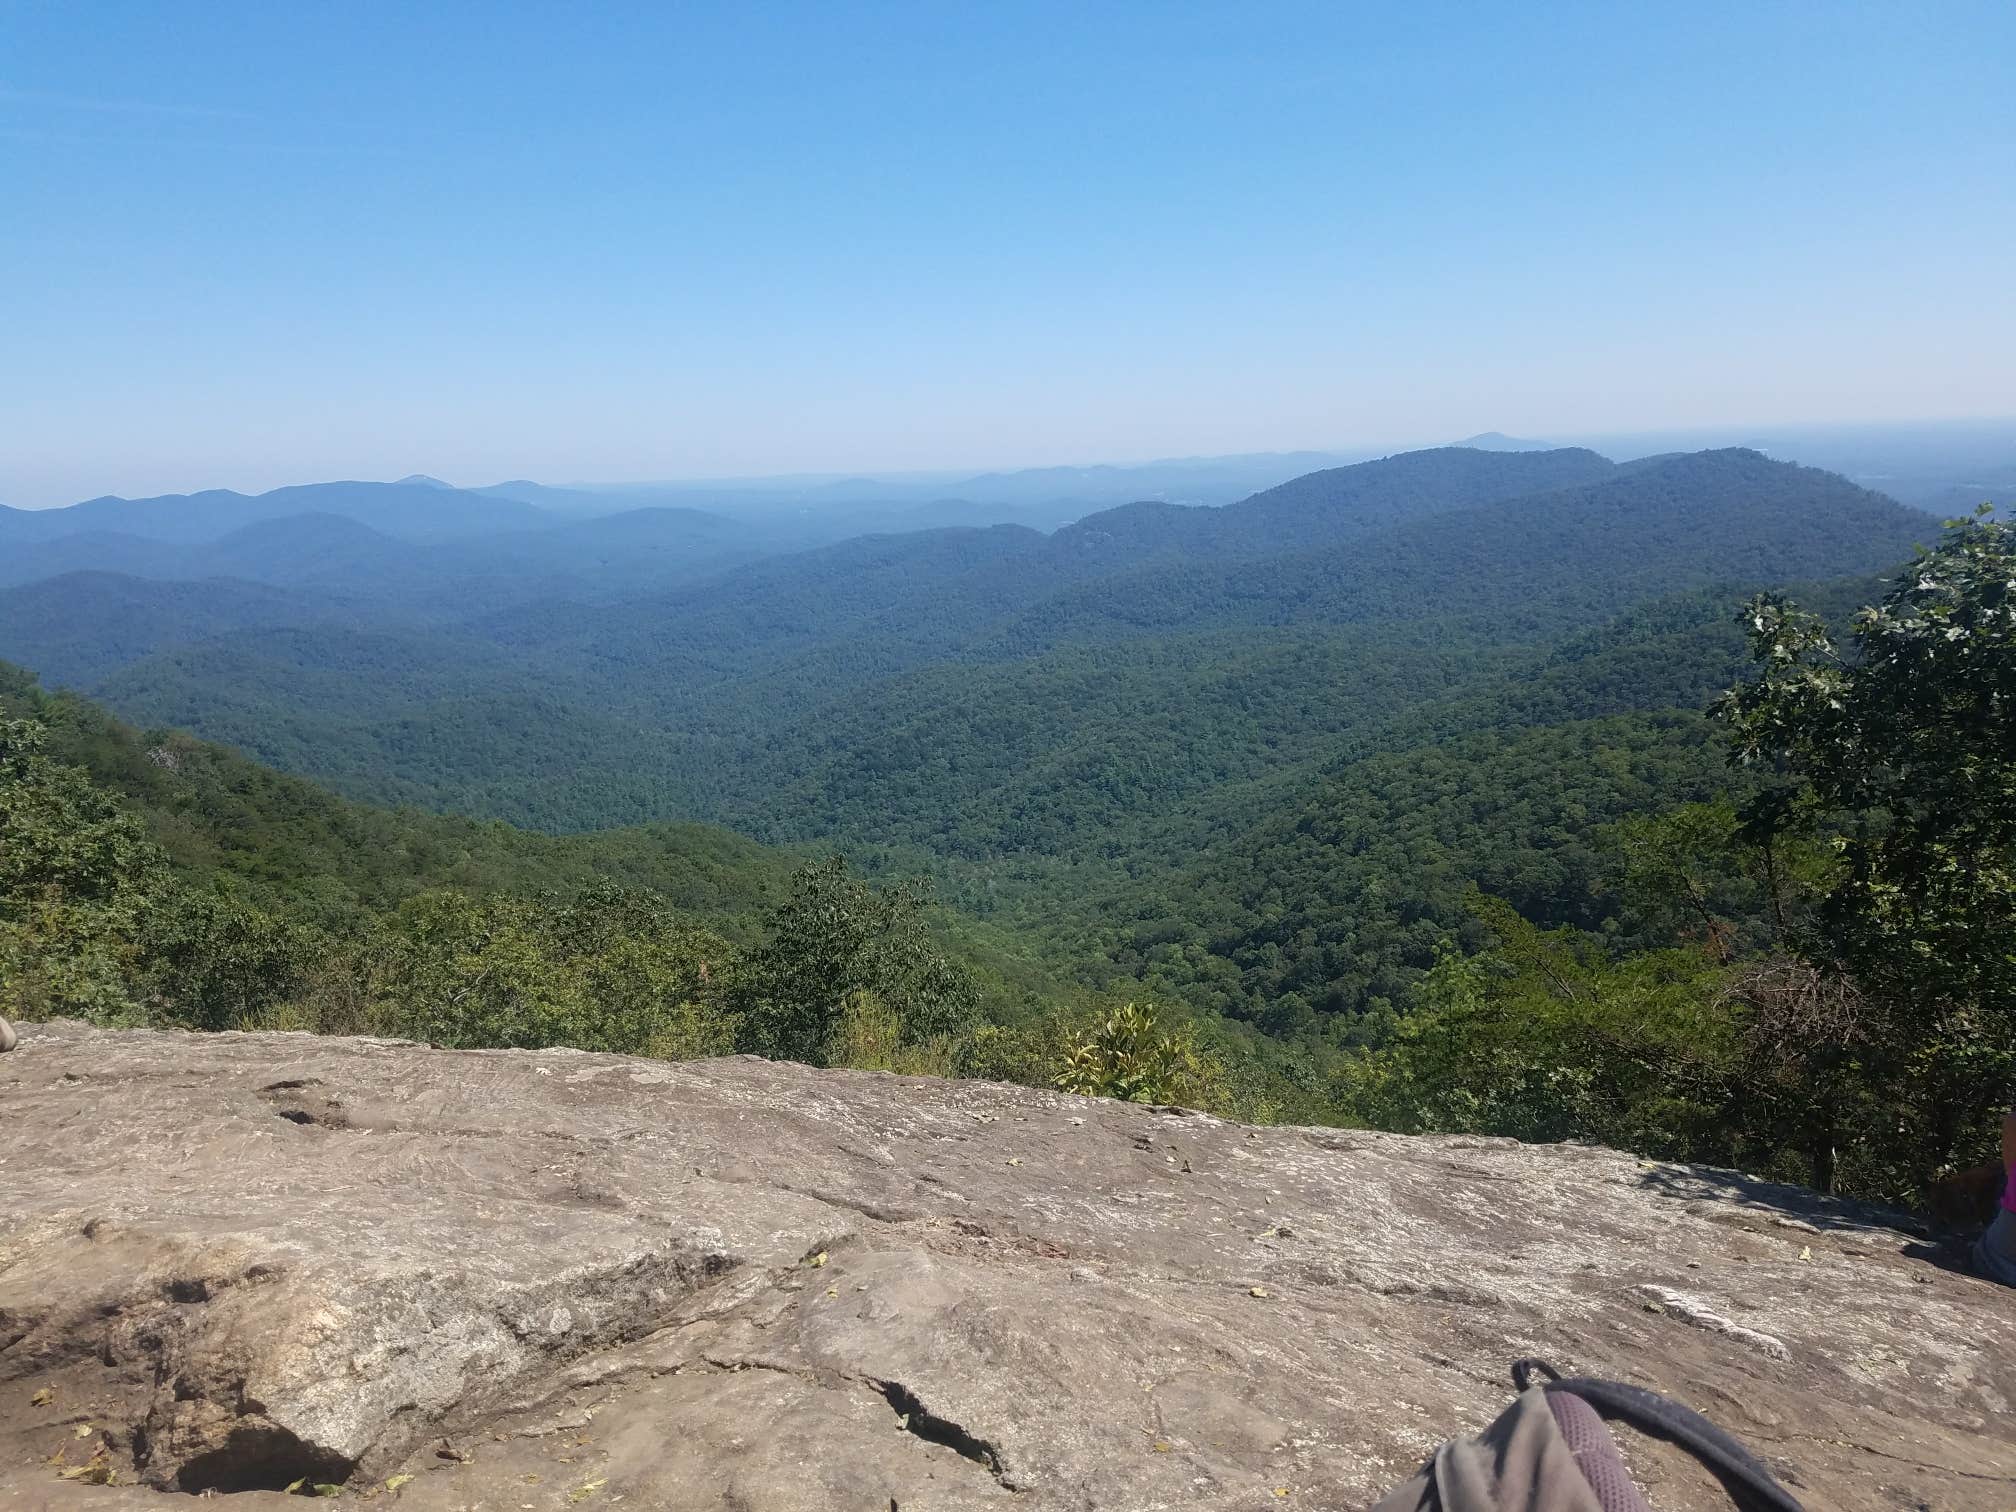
{"points": [[1821, 1154]]}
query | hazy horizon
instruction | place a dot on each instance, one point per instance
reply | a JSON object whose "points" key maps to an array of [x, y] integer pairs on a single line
{"points": [[254, 248], [1989, 439]]}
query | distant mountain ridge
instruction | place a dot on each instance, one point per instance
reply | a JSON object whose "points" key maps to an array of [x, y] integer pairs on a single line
{"points": [[1041, 497], [108, 533], [940, 591], [413, 511], [381, 541], [458, 557], [710, 697], [285, 550], [1500, 442]]}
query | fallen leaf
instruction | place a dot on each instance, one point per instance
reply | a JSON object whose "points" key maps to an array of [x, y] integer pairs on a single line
{"points": [[97, 1471], [1014, 1160], [1161, 1446], [1280, 1490], [1258, 1291], [293, 1487], [82, 1430], [1806, 1252], [587, 1489], [324, 1488], [394, 1482], [817, 1260], [42, 1398]]}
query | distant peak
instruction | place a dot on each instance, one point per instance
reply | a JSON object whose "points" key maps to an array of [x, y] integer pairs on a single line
{"points": [[1499, 441], [421, 480]]}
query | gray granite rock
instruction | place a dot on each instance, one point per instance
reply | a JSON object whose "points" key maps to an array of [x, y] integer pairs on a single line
{"points": [[553, 1280]]}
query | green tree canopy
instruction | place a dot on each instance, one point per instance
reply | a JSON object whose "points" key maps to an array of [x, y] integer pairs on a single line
{"points": [[74, 869], [1905, 739], [834, 937]]}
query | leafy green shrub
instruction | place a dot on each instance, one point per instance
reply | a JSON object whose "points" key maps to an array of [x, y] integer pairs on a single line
{"points": [[1129, 1055], [611, 970], [1024, 1054], [689, 1030], [1544, 1038]]}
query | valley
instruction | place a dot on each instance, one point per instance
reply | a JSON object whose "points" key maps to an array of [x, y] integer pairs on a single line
{"points": [[1264, 763]]}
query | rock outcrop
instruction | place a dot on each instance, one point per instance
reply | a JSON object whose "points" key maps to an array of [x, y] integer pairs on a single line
{"points": [[553, 1280]]}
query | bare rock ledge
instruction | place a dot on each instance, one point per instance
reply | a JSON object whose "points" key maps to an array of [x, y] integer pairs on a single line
{"points": [[550, 1280]]}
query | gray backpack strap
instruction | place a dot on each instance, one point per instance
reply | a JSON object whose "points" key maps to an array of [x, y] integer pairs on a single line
{"points": [[1750, 1485], [1596, 1454], [1551, 1451]]}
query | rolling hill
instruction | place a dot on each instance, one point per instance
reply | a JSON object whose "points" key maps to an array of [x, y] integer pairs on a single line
{"points": [[970, 690], [81, 627]]}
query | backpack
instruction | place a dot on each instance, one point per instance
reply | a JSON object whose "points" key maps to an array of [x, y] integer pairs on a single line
{"points": [[1550, 1452]]}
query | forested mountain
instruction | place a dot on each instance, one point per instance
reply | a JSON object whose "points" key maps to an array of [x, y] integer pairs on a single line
{"points": [[1251, 756], [214, 812], [977, 693], [1524, 565], [1341, 503], [154, 878], [1052, 724], [81, 627], [1355, 546], [1268, 763]]}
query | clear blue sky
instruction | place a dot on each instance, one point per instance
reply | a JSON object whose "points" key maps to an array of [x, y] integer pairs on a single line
{"points": [[249, 244]]}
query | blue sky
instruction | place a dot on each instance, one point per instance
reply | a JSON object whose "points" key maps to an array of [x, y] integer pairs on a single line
{"points": [[245, 245]]}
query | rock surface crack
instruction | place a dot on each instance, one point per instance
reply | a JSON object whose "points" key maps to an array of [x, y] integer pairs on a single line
{"points": [[921, 1422]]}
